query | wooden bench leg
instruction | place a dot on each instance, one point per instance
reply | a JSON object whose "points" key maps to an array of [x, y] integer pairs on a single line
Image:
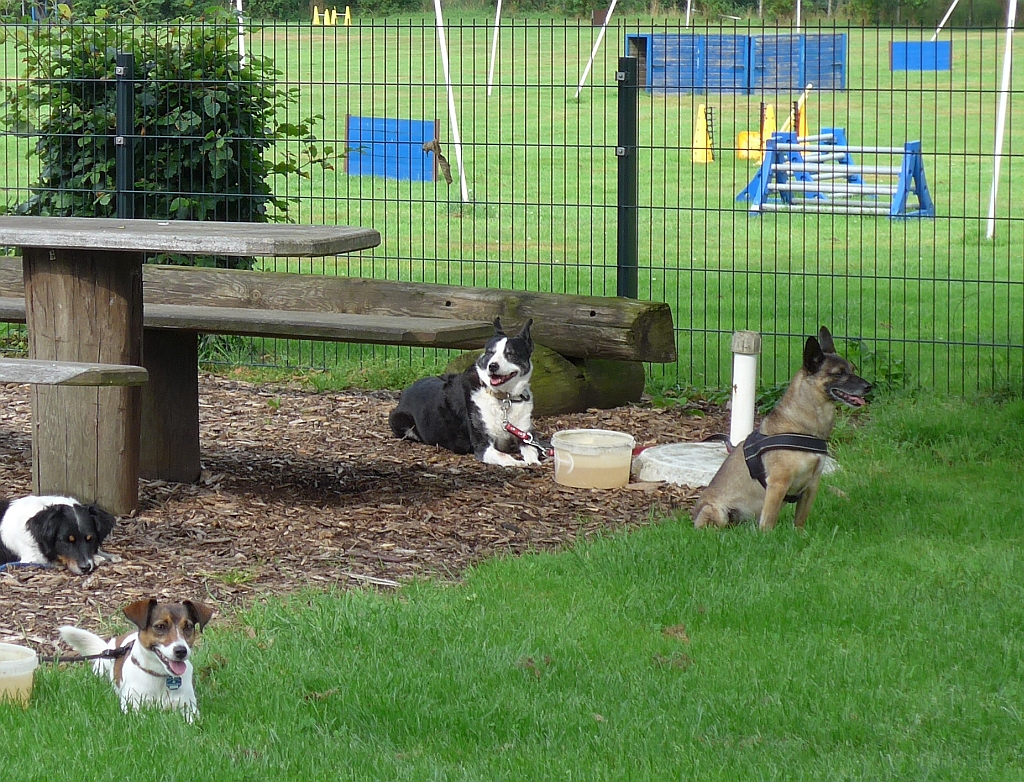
{"points": [[85, 305], [170, 406]]}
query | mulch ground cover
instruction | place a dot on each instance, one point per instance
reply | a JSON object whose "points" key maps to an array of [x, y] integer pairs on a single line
{"points": [[310, 490]]}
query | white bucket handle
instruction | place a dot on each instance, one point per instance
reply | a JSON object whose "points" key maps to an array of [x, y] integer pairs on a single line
{"points": [[563, 457]]}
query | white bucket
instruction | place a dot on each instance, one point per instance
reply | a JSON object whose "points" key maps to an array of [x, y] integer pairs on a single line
{"points": [[592, 458], [17, 666]]}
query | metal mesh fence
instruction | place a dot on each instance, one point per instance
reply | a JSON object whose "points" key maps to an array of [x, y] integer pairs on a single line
{"points": [[534, 195]]}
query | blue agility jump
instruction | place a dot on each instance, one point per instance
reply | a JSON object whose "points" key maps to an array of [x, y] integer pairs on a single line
{"points": [[818, 174]]}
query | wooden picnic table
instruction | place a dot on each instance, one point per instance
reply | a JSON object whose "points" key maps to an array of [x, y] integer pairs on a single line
{"points": [[83, 303]]}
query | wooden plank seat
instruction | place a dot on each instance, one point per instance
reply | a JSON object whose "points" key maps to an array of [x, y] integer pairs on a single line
{"points": [[70, 373], [333, 326], [295, 324], [182, 302]]}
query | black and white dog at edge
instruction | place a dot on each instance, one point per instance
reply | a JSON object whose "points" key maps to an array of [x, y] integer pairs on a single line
{"points": [[487, 410]]}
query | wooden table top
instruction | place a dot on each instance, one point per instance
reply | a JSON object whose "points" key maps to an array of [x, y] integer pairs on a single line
{"points": [[183, 236]]}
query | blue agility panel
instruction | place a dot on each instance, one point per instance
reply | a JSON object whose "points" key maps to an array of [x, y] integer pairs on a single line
{"points": [[673, 63], [788, 63], [921, 56], [824, 62], [726, 63], [777, 63], [391, 148], [685, 63]]}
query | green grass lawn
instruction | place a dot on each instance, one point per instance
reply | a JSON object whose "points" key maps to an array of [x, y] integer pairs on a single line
{"points": [[540, 166], [882, 643]]}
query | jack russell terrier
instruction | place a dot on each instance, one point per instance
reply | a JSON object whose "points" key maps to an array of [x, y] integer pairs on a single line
{"points": [[154, 669]]}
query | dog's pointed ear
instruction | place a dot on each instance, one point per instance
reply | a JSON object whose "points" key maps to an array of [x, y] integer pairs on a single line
{"points": [[138, 612], [498, 330], [814, 356], [104, 521], [524, 332], [200, 612], [825, 340]]}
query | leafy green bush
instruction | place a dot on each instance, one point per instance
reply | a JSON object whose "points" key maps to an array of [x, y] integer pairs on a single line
{"points": [[284, 10], [205, 126]]}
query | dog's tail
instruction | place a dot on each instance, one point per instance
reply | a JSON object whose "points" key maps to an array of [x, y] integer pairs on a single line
{"points": [[82, 641]]}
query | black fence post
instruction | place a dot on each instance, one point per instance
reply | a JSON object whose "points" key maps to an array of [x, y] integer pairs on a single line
{"points": [[628, 250], [124, 139]]}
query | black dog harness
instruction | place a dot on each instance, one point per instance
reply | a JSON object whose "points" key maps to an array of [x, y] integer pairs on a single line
{"points": [[757, 444]]}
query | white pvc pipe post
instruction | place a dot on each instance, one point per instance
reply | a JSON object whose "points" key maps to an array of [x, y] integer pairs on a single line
{"points": [[689, 3], [945, 19], [494, 49], [1004, 94], [442, 45], [746, 346], [241, 34], [597, 45], [798, 9]]}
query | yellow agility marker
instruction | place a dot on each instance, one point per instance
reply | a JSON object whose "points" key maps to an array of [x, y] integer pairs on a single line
{"points": [[703, 151], [316, 15], [748, 145], [348, 16]]}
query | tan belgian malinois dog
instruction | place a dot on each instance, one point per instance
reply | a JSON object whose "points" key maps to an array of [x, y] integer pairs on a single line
{"points": [[782, 460]]}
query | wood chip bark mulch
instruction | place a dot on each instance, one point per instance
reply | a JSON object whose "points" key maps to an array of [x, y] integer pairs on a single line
{"points": [[302, 490]]}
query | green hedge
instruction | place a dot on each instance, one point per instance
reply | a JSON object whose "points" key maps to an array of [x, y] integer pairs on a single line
{"points": [[205, 126]]}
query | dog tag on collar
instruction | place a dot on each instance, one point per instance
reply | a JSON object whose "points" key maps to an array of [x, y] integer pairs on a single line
{"points": [[173, 682]]}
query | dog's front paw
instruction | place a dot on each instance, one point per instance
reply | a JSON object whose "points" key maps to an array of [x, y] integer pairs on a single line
{"points": [[531, 457], [500, 459]]}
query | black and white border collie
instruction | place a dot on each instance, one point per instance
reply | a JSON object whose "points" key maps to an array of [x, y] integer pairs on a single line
{"points": [[46, 530], [468, 412]]}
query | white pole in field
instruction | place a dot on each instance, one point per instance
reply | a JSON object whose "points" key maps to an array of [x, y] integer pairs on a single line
{"points": [[689, 3], [494, 49], [945, 19], [1004, 94], [746, 345], [597, 45], [442, 44], [241, 34], [798, 8]]}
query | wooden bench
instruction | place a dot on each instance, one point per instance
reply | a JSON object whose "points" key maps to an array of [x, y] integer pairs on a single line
{"points": [[70, 373], [343, 309]]}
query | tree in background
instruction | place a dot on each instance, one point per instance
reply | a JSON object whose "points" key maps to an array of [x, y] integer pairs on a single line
{"points": [[209, 143]]}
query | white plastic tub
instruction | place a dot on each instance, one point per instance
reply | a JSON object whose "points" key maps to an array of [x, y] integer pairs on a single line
{"points": [[592, 458], [17, 669]]}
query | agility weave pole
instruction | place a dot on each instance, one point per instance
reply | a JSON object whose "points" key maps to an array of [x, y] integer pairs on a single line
{"points": [[817, 174]]}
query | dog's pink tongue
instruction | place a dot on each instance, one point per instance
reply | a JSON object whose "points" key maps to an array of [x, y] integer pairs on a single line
{"points": [[177, 668]]}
